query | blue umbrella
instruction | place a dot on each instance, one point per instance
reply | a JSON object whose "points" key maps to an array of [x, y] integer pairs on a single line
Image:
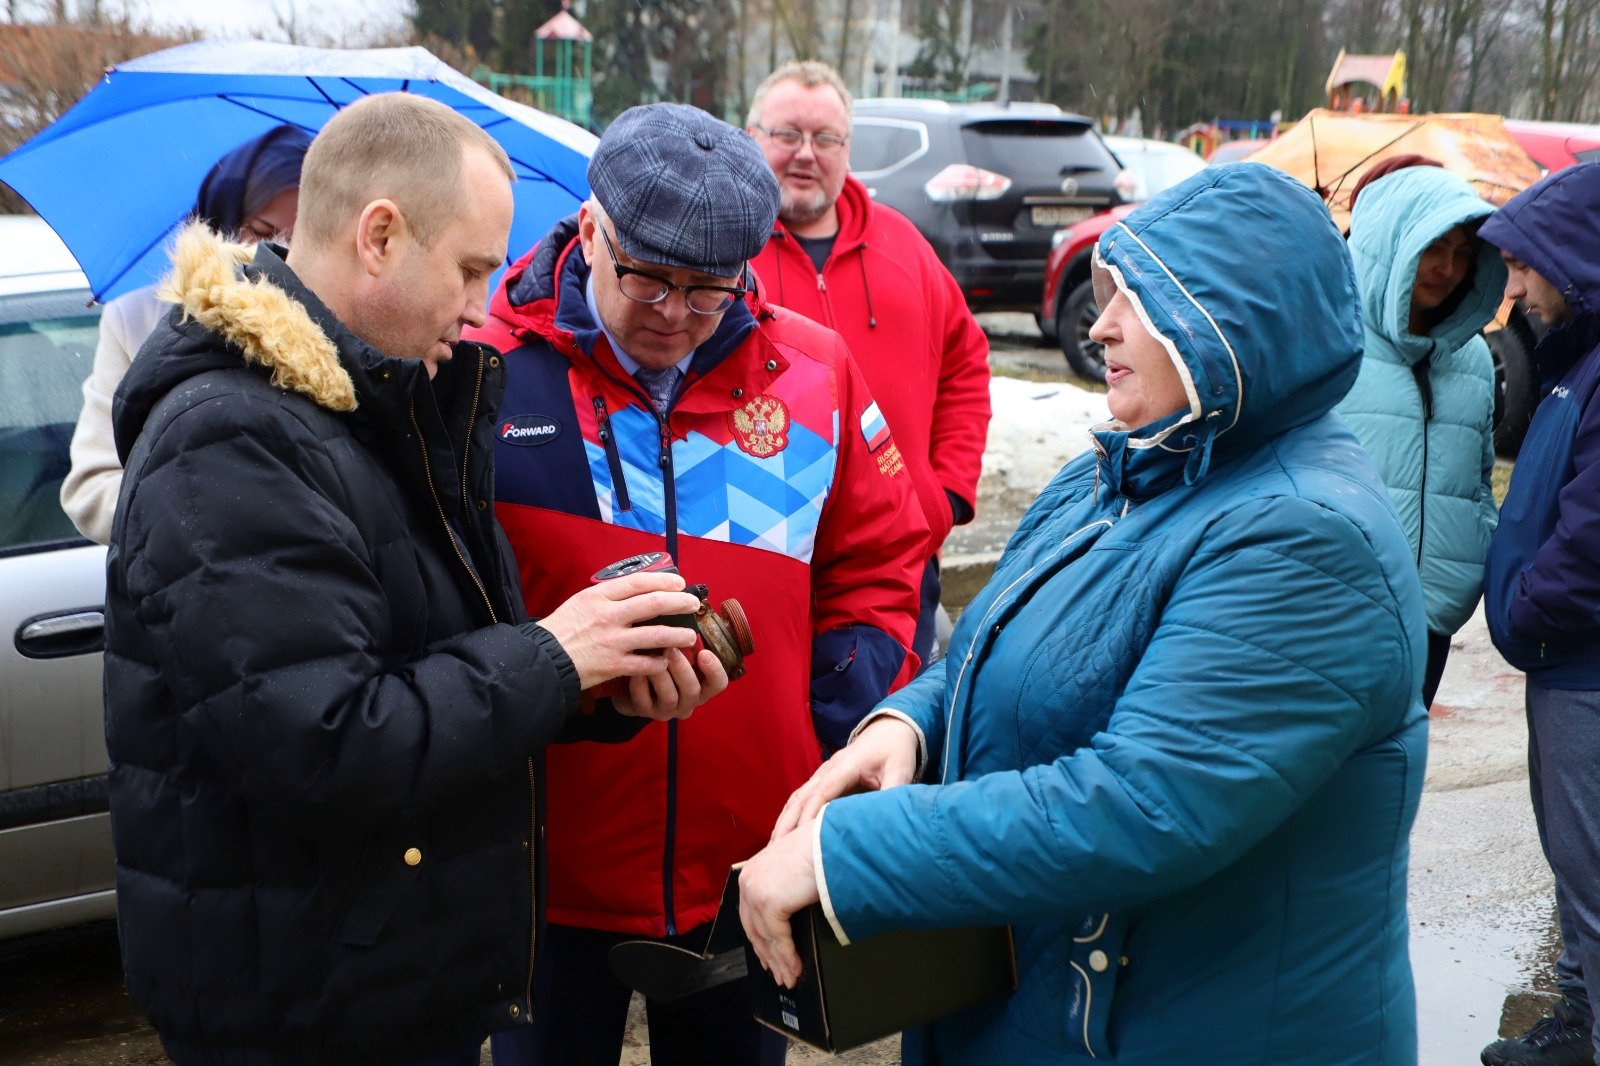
{"points": [[115, 175]]}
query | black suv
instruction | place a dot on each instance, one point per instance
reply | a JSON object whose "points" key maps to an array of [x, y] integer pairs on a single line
{"points": [[987, 184]]}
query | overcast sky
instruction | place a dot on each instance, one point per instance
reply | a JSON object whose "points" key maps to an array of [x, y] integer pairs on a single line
{"points": [[261, 18]]}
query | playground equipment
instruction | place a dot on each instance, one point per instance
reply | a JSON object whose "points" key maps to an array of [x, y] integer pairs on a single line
{"points": [[1385, 73], [563, 71]]}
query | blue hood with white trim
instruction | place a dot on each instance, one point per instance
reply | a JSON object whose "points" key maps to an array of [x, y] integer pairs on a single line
{"points": [[1263, 350]]}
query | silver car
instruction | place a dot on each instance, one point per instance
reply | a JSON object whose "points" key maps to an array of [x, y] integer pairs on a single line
{"points": [[1156, 165], [55, 834]]}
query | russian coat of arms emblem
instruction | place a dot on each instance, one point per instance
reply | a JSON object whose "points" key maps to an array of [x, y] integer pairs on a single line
{"points": [[761, 427]]}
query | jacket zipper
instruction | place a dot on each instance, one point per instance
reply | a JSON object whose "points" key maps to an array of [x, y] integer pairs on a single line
{"points": [[670, 500], [533, 802], [1425, 396], [533, 780], [827, 304], [669, 845], [1422, 498], [955, 694], [669, 488], [533, 876], [427, 471], [466, 443], [608, 439]]}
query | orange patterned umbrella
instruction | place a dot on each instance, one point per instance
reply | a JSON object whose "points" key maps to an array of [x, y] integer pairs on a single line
{"points": [[1331, 150]]}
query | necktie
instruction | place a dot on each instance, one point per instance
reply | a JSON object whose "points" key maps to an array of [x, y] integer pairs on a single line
{"points": [[660, 384]]}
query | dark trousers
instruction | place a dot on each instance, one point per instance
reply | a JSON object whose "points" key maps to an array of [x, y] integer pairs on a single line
{"points": [[190, 1054], [580, 1012], [1563, 750], [1438, 652], [922, 639]]}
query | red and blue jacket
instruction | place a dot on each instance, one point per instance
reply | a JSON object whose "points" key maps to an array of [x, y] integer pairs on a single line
{"points": [[774, 480]]}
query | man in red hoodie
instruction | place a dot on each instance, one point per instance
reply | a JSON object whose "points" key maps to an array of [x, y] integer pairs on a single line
{"points": [[654, 403], [862, 269]]}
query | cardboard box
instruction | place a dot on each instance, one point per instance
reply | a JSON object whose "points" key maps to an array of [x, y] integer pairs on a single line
{"points": [[846, 996]]}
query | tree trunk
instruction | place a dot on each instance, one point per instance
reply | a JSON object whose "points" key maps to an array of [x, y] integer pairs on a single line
{"points": [[1292, 18], [846, 16], [1547, 74], [772, 37]]}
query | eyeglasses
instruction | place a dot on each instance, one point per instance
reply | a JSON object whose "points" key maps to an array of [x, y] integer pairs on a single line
{"points": [[646, 288], [821, 143]]}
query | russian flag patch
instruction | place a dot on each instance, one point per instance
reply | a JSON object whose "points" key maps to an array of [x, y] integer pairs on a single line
{"points": [[874, 428]]}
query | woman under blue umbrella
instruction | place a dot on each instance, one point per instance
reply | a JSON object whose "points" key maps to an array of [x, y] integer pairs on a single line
{"points": [[251, 194]]}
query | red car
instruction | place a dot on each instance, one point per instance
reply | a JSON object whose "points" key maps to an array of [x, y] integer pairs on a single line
{"points": [[1554, 145], [1237, 150], [1068, 309]]}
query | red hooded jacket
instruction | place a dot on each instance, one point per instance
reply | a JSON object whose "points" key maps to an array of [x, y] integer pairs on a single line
{"points": [[774, 480], [908, 327]]}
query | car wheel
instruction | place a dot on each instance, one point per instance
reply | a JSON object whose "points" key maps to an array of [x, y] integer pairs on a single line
{"points": [[1073, 318], [1516, 386], [1047, 329]]}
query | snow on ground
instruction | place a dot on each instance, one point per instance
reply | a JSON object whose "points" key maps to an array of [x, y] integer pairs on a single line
{"points": [[1036, 427]]}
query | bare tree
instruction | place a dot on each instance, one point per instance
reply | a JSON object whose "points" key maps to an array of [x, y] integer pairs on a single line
{"points": [[1567, 67], [48, 67], [286, 13], [1483, 33], [941, 63], [801, 27], [846, 19], [1177, 61]]}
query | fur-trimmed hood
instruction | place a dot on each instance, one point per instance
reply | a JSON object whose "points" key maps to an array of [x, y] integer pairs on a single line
{"points": [[270, 328], [239, 306]]}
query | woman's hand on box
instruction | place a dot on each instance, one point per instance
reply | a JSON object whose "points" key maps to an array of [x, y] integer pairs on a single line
{"points": [[780, 881], [882, 755]]}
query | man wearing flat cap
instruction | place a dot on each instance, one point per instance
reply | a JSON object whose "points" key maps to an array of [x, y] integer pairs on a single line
{"points": [[656, 403]]}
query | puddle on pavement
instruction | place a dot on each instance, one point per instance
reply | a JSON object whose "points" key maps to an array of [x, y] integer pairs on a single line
{"points": [[1475, 985], [62, 1000], [63, 991]]}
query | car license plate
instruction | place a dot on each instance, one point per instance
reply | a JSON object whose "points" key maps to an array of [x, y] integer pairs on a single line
{"points": [[1060, 216]]}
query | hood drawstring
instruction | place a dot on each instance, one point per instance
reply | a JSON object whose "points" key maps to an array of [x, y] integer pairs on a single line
{"points": [[780, 234], [1421, 374], [1102, 458], [861, 261], [1200, 459], [1574, 298]]}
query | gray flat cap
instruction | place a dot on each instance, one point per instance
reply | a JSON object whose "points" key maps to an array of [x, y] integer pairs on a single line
{"points": [[684, 189]]}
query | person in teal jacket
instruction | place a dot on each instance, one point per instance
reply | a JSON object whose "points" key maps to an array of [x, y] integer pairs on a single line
{"points": [[1423, 404], [1178, 737]]}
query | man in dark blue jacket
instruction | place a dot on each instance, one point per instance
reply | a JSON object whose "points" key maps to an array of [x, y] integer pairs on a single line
{"points": [[1542, 582]]}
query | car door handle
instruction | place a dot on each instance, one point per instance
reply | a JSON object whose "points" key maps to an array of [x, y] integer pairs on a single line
{"points": [[54, 636]]}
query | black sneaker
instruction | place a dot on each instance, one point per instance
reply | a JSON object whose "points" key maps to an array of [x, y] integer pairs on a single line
{"points": [[1550, 1041]]}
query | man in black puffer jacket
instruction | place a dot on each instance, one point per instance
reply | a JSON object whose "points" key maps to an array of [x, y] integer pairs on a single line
{"points": [[324, 706]]}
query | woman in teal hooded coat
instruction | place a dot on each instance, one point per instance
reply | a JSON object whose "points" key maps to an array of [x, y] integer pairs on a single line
{"points": [[1423, 404], [1178, 738]]}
